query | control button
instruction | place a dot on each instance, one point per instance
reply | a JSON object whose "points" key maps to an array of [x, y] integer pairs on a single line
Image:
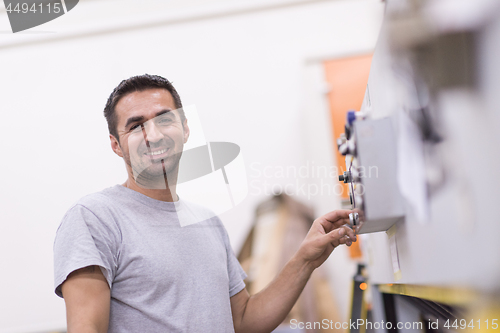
{"points": [[354, 219]]}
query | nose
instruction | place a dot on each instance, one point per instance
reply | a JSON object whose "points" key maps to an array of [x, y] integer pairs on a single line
{"points": [[151, 132]]}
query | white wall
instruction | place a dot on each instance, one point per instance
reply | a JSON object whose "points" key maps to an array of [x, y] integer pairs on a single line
{"points": [[244, 72]]}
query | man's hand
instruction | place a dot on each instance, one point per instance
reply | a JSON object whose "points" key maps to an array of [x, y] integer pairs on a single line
{"points": [[264, 311], [326, 233]]}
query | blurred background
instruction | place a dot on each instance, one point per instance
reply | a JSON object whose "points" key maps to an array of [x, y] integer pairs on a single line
{"points": [[277, 78]]}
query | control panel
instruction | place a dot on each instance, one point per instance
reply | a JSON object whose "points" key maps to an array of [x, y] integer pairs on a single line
{"points": [[371, 162]]}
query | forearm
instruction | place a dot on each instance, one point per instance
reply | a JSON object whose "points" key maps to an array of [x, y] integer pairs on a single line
{"points": [[268, 308], [84, 328]]}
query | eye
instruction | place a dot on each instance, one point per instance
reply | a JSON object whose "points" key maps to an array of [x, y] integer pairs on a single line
{"points": [[164, 120], [135, 128]]}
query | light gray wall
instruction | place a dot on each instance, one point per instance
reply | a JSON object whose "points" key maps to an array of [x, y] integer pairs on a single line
{"points": [[244, 72]]}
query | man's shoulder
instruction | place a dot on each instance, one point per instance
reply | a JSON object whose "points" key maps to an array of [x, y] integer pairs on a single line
{"points": [[95, 209], [102, 205], [99, 200]]}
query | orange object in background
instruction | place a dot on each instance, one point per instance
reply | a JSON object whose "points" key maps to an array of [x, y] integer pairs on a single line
{"points": [[355, 250], [347, 78]]}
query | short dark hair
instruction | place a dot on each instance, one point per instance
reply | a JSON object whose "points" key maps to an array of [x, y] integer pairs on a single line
{"points": [[137, 83]]}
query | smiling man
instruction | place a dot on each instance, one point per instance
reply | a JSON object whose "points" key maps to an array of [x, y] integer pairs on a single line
{"points": [[124, 263], [150, 134]]}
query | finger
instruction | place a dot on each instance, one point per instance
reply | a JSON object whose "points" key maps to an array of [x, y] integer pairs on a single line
{"points": [[330, 226], [345, 240], [348, 238], [348, 241], [335, 237], [351, 233], [336, 215], [340, 219]]}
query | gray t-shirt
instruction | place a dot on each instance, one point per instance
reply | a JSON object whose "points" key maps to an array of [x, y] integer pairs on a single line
{"points": [[163, 277]]}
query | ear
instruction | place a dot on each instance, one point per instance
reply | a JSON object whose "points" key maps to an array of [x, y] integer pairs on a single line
{"points": [[115, 145], [186, 130]]}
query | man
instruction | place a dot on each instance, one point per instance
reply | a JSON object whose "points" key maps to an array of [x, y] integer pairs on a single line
{"points": [[123, 263]]}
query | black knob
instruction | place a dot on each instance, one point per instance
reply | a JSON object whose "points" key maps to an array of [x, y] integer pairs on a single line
{"points": [[345, 177], [347, 130]]}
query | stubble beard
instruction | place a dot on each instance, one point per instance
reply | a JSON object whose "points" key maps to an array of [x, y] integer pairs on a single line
{"points": [[158, 174]]}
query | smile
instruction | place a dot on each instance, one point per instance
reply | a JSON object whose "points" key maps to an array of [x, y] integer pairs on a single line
{"points": [[156, 153]]}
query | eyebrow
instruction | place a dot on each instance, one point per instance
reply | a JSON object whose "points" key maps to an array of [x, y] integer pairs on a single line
{"points": [[133, 120]]}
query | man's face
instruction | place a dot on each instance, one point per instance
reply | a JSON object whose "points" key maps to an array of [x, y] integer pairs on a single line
{"points": [[151, 135]]}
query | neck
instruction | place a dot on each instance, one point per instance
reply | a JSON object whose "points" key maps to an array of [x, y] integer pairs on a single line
{"points": [[167, 193]]}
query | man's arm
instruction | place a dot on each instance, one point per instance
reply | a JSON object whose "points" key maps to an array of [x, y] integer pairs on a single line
{"points": [[87, 296], [265, 310]]}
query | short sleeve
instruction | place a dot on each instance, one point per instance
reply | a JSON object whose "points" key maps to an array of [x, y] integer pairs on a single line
{"points": [[234, 269], [82, 240]]}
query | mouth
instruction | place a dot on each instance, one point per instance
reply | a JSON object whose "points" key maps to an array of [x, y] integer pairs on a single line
{"points": [[157, 153]]}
